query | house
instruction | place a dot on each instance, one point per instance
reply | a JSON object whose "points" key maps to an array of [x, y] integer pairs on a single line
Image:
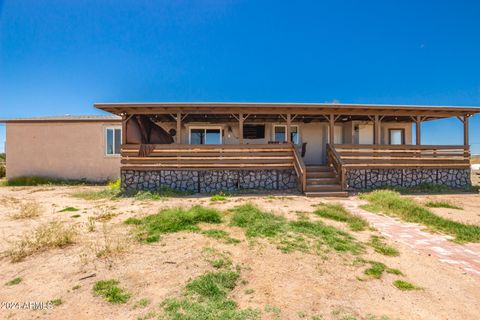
{"points": [[65, 147], [320, 149]]}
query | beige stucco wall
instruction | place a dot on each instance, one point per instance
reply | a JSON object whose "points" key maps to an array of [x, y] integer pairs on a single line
{"points": [[63, 150]]}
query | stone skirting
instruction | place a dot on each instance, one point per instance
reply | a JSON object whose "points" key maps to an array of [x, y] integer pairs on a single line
{"points": [[366, 179], [208, 181]]}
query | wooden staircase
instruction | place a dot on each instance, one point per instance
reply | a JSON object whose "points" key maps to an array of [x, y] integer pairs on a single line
{"points": [[322, 181]]}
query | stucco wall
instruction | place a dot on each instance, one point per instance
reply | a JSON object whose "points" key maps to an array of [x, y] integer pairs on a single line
{"points": [[60, 150]]}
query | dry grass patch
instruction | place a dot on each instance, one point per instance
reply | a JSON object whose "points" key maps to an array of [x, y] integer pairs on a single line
{"points": [[28, 210], [111, 243], [46, 236]]}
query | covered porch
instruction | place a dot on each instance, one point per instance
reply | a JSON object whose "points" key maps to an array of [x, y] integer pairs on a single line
{"points": [[318, 148]]}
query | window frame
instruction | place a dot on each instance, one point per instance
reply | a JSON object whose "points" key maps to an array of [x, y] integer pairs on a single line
{"points": [[113, 141], [390, 135], [205, 128], [285, 126]]}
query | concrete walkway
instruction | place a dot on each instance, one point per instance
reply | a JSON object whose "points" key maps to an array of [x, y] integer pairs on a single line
{"points": [[465, 256]]}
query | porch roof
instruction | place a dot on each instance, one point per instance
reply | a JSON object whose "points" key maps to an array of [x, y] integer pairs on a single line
{"points": [[312, 109]]}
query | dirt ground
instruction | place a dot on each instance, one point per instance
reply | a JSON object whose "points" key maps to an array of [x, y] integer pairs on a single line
{"points": [[285, 285]]}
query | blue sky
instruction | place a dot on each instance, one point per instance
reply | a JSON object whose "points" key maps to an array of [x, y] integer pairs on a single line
{"points": [[59, 57]]}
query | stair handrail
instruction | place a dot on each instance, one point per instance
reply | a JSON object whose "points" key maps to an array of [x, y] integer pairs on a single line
{"points": [[335, 160], [300, 168]]}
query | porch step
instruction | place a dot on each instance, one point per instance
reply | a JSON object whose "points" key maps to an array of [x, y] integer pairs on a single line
{"points": [[335, 194], [324, 187], [323, 180], [318, 168], [320, 174]]}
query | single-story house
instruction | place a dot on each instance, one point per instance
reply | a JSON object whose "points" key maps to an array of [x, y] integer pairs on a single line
{"points": [[320, 149], [64, 147]]}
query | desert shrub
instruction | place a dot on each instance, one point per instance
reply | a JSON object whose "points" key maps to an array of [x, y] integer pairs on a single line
{"points": [[28, 210], [44, 237]]}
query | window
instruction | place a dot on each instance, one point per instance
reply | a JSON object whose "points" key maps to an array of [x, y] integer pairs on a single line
{"points": [[205, 136], [254, 131], [280, 133], [113, 139], [396, 136]]}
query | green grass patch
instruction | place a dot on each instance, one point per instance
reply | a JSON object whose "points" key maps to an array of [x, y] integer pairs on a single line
{"points": [[219, 197], [258, 223], [76, 216], [173, 220], [404, 285], [381, 247], [40, 181], [112, 191], [430, 188], [56, 302], [207, 298], [377, 269], [97, 194], [14, 281], [338, 213], [110, 291], [292, 235], [442, 204], [220, 234], [390, 202], [69, 209]]}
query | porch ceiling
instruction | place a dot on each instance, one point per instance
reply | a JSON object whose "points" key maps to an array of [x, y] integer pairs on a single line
{"points": [[306, 111]]}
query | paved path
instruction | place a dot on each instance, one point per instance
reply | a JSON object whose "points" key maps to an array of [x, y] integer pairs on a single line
{"points": [[465, 256]]}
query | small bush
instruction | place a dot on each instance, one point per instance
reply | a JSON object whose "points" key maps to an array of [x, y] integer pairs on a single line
{"points": [[115, 184], [110, 290], [404, 285], [14, 281], [28, 210], [338, 213], [219, 197], [46, 236], [442, 204], [173, 220]]}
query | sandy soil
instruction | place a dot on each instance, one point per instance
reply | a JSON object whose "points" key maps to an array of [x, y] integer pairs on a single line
{"points": [[297, 284]]}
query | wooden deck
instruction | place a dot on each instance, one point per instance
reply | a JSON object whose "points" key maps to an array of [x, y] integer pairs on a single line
{"points": [[192, 157], [340, 158]]}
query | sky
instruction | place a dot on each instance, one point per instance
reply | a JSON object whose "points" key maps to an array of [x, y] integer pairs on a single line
{"points": [[59, 57]]}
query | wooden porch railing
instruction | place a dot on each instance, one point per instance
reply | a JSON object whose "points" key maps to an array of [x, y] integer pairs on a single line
{"points": [[234, 156], [401, 156], [367, 156], [334, 159], [300, 169]]}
